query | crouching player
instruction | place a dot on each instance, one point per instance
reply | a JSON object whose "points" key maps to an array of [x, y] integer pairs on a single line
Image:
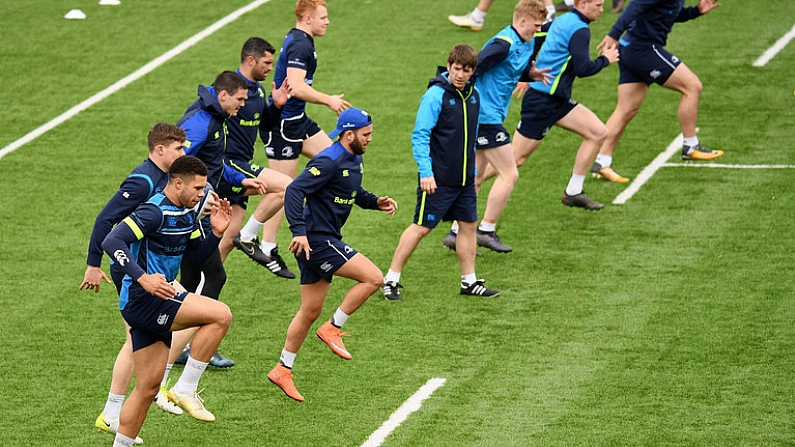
{"points": [[157, 235]]}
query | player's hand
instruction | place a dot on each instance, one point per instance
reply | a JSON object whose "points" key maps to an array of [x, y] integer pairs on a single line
{"points": [[282, 94], [520, 90], [387, 205], [705, 6], [255, 184], [540, 74], [607, 42], [157, 285], [299, 244], [93, 278], [337, 104], [220, 216], [610, 52], [428, 184]]}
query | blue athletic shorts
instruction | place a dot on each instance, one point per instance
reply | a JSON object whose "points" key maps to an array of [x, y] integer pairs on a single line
{"points": [[237, 194], [645, 63], [540, 112], [326, 257], [287, 139], [446, 204], [492, 135], [150, 317]]}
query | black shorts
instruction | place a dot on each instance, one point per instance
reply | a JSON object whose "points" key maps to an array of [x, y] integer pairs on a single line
{"points": [[285, 141], [150, 318], [237, 194], [645, 63], [540, 112], [491, 136], [446, 204], [326, 257]]}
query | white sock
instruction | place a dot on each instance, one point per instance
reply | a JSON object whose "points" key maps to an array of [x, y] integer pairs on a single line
{"points": [[575, 185], [550, 11], [113, 406], [165, 375], [339, 318], [604, 160], [690, 141], [487, 227], [392, 276], [189, 380], [454, 227], [266, 247], [468, 279], [123, 441], [250, 230], [478, 16], [287, 358]]}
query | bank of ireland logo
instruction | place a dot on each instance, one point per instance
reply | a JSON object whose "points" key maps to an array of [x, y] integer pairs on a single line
{"points": [[501, 136], [287, 151], [348, 249]]}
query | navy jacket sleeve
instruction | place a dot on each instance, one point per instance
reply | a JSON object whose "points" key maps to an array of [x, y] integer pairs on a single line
{"points": [[201, 247], [367, 200], [271, 117], [581, 63], [492, 55], [146, 219], [133, 191]]}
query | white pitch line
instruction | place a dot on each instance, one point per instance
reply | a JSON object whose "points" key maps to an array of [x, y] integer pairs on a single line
{"points": [[778, 46], [649, 171], [137, 74], [718, 165], [401, 414]]}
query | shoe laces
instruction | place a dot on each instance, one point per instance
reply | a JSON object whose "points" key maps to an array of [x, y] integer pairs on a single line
{"points": [[198, 399]]}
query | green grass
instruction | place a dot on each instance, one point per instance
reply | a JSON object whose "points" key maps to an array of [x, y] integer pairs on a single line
{"points": [[663, 322]]}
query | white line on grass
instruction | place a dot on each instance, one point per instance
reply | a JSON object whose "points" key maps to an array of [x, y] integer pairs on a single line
{"points": [[401, 414], [718, 165], [778, 46], [649, 171], [137, 74]]}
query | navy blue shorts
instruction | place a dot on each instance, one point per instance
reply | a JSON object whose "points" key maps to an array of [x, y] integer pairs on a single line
{"points": [[150, 318], [285, 141], [326, 257], [237, 194], [645, 63], [540, 112], [447, 203], [492, 135]]}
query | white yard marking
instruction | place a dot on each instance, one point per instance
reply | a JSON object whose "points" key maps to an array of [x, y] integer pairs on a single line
{"points": [[778, 46], [401, 414], [661, 161], [718, 165], [649, 171], [129, 79]]}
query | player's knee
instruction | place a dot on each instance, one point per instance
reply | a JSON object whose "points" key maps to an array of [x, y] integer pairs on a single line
{"points": [[224, 316], [310, 313], [147, 391], [373, 279], [512, 176], [600, 134]]}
